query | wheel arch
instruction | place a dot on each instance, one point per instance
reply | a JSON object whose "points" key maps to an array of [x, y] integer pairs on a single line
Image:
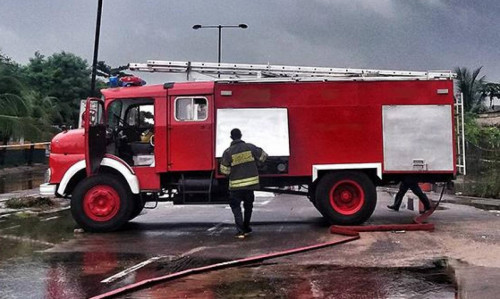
{"points": [[346, 196], [111, 166], [372, 170]]}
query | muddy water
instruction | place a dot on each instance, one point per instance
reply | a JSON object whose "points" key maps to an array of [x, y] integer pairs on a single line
{"points": [[25, 234], [314, 281], [27, 179], [28, 271]]}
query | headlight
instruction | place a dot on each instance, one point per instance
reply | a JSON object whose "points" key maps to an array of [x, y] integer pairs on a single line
{"points": [[47, 176]]}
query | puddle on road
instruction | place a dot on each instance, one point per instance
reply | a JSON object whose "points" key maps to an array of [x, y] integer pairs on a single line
{"points": [[292, 281], [78, 274], [23, 234], [28, 179], [65, 275]]}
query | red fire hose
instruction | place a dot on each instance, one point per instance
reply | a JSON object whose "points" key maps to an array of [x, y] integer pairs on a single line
{"points": [[418, 224], [227, 264], [351, 231]]}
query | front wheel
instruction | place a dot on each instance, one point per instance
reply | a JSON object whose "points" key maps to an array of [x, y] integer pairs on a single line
{"points": [[139, 204], [101, 203], [346, 198]]}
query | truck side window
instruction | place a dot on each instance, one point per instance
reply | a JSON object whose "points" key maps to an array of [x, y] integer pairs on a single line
{"points": [[191, 109], [132, 114], [146, 116], [141, 116]]}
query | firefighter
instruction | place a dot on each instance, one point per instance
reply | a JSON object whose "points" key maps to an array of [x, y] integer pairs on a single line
{"points": [[239, 163], [412, 184]]}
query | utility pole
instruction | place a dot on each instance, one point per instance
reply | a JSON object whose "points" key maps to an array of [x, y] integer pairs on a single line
{"points": [[96, 48]]}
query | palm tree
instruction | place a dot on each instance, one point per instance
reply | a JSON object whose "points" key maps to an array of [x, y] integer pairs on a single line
{"points": [[23, 113], [13, 108], [470, 86]]}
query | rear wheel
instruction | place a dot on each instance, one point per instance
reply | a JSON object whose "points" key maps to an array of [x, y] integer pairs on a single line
{"points": [[346, 197], [101, 203]]}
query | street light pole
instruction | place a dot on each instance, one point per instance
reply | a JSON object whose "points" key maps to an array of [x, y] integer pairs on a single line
{"points": [[96, 47], [219, 27], [219, 48]]}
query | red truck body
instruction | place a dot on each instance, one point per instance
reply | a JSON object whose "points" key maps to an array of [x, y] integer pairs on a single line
{"points": [[342, 135]]}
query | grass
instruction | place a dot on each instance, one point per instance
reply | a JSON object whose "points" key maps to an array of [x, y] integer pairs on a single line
{"points": [[28, 202]]}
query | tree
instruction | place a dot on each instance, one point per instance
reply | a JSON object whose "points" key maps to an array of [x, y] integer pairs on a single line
{"points": [[471, 87], [14, 111], [23, 112], [491, 91], [12, 105], [65, 78]]}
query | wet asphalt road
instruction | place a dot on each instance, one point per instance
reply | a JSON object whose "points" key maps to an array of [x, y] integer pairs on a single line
{"points": [[41, 256]]}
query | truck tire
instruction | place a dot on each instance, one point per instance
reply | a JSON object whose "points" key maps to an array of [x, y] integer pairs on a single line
{"points": [[139, 204], [101, 203], [346, 198]]}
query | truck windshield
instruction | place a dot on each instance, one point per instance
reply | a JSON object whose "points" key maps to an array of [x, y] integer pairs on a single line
{"points": [[114, 112]]}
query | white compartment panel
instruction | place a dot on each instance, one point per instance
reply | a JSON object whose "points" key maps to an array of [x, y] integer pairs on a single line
{"points": [[418, 135], [266, 128]]}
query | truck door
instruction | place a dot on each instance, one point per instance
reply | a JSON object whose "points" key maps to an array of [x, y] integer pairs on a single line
{"points": [[191, 133], [95, 135]]}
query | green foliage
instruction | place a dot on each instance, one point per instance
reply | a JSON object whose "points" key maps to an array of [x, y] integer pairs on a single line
{"points": [[487, 186], [24, 110], [483, 160], [65, 78], [486, 137], [44, 93], [471, 86]]}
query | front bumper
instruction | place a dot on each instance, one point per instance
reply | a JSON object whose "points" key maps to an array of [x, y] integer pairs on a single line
{"points": [[48, 189]]}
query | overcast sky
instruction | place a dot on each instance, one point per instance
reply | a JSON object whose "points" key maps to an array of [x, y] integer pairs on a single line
{"points": [[380, 34]]}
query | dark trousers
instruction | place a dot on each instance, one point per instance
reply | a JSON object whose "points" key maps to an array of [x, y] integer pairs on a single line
{"points": [[415, 188], [236, 197]]}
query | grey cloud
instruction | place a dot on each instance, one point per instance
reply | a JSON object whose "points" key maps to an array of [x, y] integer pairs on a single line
{"points": [[390, 34]]}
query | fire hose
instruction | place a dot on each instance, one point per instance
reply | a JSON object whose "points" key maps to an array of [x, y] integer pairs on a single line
{"points": [[417, 225], [351, 231]]}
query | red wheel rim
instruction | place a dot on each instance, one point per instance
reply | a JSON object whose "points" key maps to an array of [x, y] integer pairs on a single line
{"points": [[101, 203], [347, 197]]}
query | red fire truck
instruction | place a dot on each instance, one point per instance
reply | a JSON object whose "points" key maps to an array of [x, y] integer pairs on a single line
{"points": [[337, 133]]}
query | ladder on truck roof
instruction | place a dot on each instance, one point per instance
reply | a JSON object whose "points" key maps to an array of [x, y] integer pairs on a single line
{"points": [[245, 71]]}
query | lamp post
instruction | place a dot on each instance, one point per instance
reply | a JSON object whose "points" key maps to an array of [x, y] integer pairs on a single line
{"points": [[242, 26], [96, 48]]}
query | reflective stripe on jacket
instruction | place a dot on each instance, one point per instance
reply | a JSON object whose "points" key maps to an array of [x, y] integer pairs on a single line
{"points": [[239, 162]]}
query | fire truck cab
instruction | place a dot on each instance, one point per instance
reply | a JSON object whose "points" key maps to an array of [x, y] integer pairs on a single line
{"points": [[338, 137]]}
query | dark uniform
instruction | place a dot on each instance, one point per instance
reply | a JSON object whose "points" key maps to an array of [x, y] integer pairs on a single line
{"points": [[239, 162], [412, 184]]}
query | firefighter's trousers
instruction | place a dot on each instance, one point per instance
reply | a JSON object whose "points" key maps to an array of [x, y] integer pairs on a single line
{"points": [[236, 197], [413, 186]]}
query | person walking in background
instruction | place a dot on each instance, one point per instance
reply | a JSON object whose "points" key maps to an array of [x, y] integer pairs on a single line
{"points": [[412, 184], [239, 163]]}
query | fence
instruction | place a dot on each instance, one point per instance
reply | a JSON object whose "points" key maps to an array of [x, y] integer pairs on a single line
{"points": [[483, 172], [23, 154]]}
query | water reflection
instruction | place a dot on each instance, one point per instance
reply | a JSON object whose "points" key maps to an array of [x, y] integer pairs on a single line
{"points": [[313, 281], [82, 262]]}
